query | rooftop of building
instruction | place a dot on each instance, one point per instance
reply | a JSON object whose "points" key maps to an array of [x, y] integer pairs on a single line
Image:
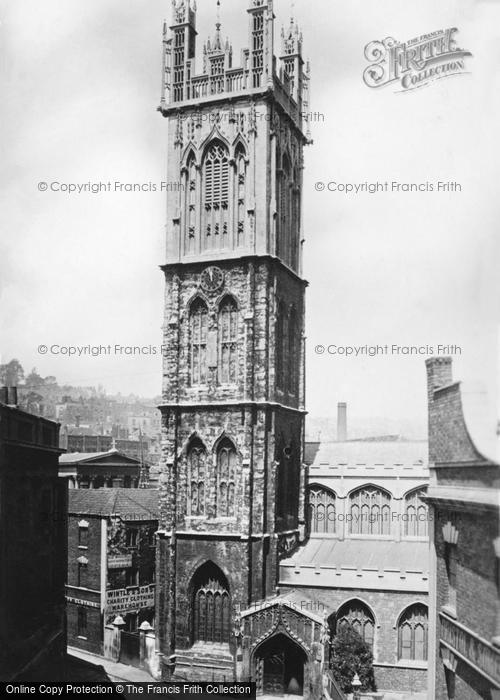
{"points": [[464, 414], [367, 563], [113, 455], [128, 504], [368, 553], [482, 417], [379, 454], [22, 427]]}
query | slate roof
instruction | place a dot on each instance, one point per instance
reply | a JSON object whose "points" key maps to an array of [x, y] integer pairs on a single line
{"points": [[384, 555], [129, 504], [83, 457], [368, 453]]}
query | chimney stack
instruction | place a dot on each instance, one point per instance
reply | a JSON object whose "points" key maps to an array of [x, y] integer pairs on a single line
{"points": [[8, 396], [341, 422], [439, 374]]}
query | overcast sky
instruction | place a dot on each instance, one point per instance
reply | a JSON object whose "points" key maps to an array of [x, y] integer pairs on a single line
{"points": [[80, 86]]}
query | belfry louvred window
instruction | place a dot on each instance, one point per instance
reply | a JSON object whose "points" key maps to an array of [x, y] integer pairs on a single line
{"points": [[216, 197]]}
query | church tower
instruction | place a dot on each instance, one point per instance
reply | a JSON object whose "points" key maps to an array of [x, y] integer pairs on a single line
{"points": [[233, 373]]}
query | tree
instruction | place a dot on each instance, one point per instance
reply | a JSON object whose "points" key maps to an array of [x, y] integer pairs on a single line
{"points": [[350, 655], [11, 374], [34, 381]]}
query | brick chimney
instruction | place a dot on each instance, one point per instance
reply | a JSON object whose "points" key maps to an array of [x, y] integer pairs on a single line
{"points": [[8, 396], [439, 374], [341, 422]]}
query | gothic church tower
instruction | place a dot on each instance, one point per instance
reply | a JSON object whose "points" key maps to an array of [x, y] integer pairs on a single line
{"points": [[233, 374]]}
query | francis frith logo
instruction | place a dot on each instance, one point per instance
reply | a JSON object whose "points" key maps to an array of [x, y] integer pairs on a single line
{"points": [[414, 63]]}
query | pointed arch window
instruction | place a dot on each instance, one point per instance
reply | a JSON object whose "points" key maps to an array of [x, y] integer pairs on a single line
{"points": [[413, 633], [240, 193], [370, 512], [211, 606], [321, 510], [228, 342], [227, 459], [197, 464], [216, 196], [416, 514], [198, 319], [358, 617]]}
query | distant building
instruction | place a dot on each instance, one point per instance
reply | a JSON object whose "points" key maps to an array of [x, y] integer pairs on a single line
{"points": [[111, 469], [366, 561], [33, 548], [465, 545], [80, 442], [111, 562], [146, 421]]}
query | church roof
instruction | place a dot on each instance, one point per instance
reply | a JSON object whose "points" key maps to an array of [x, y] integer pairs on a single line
{"points": [[367, 553], [129, 504], [299, 600], [358, 563], [393, 454]]}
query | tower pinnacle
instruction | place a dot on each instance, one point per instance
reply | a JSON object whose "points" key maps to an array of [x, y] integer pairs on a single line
{"points": [[217, 55]]}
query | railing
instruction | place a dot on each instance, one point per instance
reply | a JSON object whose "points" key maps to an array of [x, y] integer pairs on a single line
{"points": [[331, 689], [236, 80], [231, 81], [479, 653], [200, 86]]}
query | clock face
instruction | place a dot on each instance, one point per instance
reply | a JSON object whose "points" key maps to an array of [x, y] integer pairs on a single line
{"points": [[212, 279]]}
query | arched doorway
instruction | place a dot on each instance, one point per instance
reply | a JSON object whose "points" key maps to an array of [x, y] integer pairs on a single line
{"points": [[280, 665]]}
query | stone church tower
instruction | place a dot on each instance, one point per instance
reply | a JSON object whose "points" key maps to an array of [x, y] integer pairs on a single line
{"points": [[233, 373]]}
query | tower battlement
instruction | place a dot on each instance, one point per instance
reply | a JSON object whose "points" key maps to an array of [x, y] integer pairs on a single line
{"points": [[260, 70]]}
